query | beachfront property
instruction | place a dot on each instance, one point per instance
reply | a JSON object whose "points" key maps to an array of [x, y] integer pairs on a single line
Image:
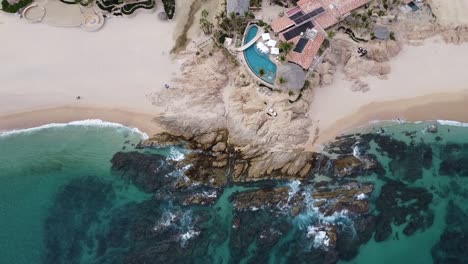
{"points": [[304, 28]]}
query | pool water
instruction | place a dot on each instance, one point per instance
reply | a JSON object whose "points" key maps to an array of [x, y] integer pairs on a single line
{"points": [[257, 60]]}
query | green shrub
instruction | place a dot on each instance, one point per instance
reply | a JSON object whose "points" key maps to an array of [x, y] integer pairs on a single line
{"points": [[15, 7], [169, 8]]}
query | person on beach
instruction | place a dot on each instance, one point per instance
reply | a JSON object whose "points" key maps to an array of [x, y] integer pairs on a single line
{"points": [[78, 97], [166, 86]]}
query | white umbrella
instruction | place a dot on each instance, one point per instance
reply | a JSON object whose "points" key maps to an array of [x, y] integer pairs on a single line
{"points": [[274, 51], [271, 43], [265, 36]]}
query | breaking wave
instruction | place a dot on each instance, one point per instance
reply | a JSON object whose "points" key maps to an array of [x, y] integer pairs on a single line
{"points": [[85, 123]]}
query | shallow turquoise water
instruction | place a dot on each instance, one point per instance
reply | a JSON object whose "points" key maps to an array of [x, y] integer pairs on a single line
{"points": [[417, 248], [58, 188], [35, 165], [257, 60]]}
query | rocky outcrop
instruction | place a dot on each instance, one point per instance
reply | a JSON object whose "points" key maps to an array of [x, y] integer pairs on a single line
{"points": [[147, 172], [351, 166], [351, 198], [263, 198]]}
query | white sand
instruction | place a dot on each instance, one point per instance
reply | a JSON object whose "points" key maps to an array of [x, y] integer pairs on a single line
{"points": [[435, 71], [450, 12], [47, 67]]}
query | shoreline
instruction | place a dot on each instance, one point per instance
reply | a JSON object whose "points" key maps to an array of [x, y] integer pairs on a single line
{"points": [[24, 120], [434, 107], [447, 106]]}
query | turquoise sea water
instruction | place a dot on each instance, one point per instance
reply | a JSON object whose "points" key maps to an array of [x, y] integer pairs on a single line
{"points": [[36, 164], [60, 202], [258, 60]]}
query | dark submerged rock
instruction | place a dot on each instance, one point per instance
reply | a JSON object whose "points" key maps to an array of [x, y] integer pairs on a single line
{"points": [[148, 172], [453, 243], [400, 204]]}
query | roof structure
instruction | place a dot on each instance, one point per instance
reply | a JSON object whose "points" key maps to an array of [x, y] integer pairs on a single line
{"points": [[306, 56], [238, 7], [281, 24], [309, 14], [293, 74]]}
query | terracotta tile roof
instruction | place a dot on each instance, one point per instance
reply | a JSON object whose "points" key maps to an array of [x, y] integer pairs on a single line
{"points": [[334, 10], [306, 57], [309, 5], [349, 5], [327, 19], [281, 24]]}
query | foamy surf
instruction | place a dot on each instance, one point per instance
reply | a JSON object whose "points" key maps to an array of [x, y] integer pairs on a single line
{"points": [[86, 122], [452, 123]]}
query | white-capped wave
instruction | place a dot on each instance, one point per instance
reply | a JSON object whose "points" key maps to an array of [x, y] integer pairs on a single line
{"points": [[176, 154], [452, 123], [86, 122], [321, 239], [185, 237]]}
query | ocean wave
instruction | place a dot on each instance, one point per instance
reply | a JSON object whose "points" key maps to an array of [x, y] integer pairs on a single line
{"points": [[452, 123], [86, 122], [176, 154]]}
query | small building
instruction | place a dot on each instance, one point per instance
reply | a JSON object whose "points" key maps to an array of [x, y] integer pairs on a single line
{"points": [[238, 7]]}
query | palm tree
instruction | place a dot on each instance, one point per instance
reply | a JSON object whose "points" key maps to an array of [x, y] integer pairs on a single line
{"points": [[286, 46], [261, 72], [282, 58], [282, 80]]}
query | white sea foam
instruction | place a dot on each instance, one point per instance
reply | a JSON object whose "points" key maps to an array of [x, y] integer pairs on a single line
{"points": [[452, 123], [321, 239], [87, 122], [175, 154], [361, 196], [356, 152], [187, 236], [294, 187]]}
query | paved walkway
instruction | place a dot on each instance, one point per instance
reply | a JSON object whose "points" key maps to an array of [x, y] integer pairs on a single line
{"points": [[251, 42]]}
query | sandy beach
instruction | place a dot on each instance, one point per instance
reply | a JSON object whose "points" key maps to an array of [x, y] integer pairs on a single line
{"points": [[427, 82], [45, 67]]}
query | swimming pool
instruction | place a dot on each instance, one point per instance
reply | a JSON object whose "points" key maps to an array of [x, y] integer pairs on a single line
{"points": [[257, 60]]}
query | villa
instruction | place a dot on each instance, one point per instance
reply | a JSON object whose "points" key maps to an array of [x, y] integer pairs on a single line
{"points": [[305, 26]]}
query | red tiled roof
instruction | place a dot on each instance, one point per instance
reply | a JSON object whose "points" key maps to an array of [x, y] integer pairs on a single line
{"points": [[309, 5], [306, 57], [350, 5], [334, 10], [281, 24]]}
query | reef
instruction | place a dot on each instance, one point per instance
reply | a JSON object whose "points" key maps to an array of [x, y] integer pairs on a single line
{"points": [[215, 200], [400, 204], [451, 248]]}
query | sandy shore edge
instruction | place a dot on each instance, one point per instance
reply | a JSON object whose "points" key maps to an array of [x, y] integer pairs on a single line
{"points": [[144, 122], [441, 106]]}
